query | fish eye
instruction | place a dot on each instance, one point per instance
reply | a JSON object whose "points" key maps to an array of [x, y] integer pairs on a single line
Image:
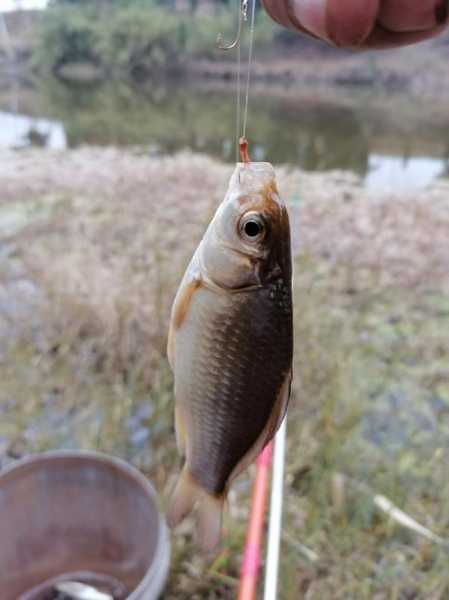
{"points": [[252, 228]]}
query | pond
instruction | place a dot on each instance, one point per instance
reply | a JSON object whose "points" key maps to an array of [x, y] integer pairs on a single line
{"points": [[392, 142]]}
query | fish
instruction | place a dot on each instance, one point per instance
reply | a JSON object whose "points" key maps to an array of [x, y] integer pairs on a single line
{"points": [[230, 345], [80, 591]]}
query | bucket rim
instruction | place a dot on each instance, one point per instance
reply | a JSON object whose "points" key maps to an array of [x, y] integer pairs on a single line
{"points": [[157, 572]]}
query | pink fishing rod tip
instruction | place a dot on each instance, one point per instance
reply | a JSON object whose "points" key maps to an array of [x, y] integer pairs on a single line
{"points": [[251, 561], [264, 458]]}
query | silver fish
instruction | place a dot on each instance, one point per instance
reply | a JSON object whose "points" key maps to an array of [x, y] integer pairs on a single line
{"points": [[80, 591], [230, 345]]}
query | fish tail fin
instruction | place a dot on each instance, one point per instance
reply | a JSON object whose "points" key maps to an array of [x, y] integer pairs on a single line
{"points": [[187, 493], [210, 511]]}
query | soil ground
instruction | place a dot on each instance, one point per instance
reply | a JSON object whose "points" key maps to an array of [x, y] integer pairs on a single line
{"points": [[93, 243]]}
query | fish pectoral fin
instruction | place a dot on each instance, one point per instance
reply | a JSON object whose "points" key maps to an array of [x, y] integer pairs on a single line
{"points": [[180, 309], [171, 348], [186, 495], [183, 301], [180, 428], [269, 431]]}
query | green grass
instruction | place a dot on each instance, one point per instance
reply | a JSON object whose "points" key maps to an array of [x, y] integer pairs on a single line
{"points": [[370, 407]]}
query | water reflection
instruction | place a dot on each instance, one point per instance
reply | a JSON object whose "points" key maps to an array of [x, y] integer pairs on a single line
{"points": [[19, 131], [402, 174], [362, 134]]}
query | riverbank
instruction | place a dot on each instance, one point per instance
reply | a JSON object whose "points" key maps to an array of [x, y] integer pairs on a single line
{"points": [[418, 70], [92, 245]]}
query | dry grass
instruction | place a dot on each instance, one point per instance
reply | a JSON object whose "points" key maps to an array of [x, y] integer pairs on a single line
{"points": [[101, 238]]}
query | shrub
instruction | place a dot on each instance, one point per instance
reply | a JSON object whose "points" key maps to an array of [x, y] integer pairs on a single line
{"points": [[140, 41], [135, 39], [68, 35]]}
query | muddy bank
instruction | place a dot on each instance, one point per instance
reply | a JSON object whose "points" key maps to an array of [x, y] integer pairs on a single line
{"points": [[92, 245], [40, 189]]}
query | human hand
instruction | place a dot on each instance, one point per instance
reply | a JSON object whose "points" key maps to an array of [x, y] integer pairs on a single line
{"points": [[362, 23]]}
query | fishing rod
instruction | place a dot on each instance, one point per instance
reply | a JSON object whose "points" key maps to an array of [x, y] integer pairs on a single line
{"points": [[251, 562], [275, 524]]}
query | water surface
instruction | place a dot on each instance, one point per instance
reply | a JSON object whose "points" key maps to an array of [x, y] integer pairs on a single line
{"points": [[392, 142]]}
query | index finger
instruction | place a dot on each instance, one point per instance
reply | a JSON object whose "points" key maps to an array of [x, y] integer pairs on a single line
{"points": [[356, 23]]}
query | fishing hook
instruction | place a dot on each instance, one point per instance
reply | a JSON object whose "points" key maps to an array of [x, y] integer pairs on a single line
{"points": [[243, 15]]}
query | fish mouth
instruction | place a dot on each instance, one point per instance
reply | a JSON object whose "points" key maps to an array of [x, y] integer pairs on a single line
{"points": [[255, 166], [251, 178]]}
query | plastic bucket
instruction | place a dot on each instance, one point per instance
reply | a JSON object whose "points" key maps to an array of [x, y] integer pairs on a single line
{"points": [[80, 517]]}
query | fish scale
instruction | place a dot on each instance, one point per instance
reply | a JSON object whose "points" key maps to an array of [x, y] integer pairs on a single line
{"points": [[230, 345], [241, 404]]}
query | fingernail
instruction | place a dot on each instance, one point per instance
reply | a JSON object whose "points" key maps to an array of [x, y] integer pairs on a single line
{"points": [[311, 15], [441, 11]]}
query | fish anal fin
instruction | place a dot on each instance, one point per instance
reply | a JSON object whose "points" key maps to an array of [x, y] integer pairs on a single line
{"points": [[273, 424], [280, 409], [210, 510], [188, 493], [183, 499]]}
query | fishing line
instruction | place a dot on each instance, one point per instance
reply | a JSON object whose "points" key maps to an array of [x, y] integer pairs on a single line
{"points": [[243, 16], [239, 103], [249, 66]]}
